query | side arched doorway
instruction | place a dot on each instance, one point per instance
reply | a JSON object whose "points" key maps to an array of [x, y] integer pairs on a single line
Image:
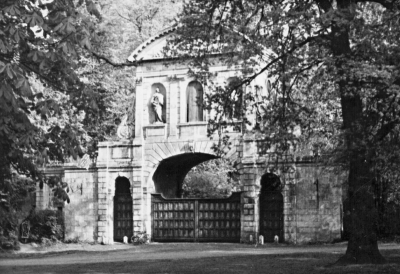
{"points": [[271, 208], [123, 218]]}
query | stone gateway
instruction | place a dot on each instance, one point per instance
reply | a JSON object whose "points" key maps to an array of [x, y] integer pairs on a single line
{"points": [[299, 203]]}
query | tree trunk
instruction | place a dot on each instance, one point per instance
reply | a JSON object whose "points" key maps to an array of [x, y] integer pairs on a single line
{"points": [[362, 246]]}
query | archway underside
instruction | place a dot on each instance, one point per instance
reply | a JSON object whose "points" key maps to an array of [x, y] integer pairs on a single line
{"points": [[171, 172]]}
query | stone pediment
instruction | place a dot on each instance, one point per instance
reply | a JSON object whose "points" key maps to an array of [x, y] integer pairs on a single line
{"points": [[153, 47]]}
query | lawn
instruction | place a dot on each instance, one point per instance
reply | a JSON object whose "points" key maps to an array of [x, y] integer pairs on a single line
{"points": [[298, 263]]}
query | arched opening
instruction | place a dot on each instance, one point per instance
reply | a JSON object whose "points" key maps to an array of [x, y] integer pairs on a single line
{"points": [[194, 102], [123, 213], [235, 109], [162, 98], [190, 218], [216, 179], [271, 208], [168, 177]]}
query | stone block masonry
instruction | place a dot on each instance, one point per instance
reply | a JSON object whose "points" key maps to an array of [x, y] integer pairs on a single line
{"points": [[312, 197], [81, 214]]}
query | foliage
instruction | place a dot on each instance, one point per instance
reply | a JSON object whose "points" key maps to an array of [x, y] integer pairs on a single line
{"points": [[45, 225], [333, 73], [140, 238], [12, 197], [40, 45], [41, 96], [56, 93], [212, 179], [75, 240], [128, 23]]}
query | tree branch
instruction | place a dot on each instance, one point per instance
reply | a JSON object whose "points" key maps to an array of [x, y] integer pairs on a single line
{"points": [[386, 129], [47, 79], [112, 63], [278, 58], [123, 17]]}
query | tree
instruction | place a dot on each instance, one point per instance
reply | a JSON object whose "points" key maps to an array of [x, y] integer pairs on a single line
{"points": [[40, 45], [42, 99], [334, 72], [55, 101]]}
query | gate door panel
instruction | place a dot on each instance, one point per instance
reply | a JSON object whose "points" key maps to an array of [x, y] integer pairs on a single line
{"points": [[123, 220], [123, 214], [173, 220], [219, 220], [196, 219], [271, 215]]}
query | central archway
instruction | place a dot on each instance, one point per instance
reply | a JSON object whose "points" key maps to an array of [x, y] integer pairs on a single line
{"points": [[171, 172]]}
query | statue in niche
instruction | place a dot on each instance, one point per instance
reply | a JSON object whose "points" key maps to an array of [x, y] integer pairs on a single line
{"points": [[157, 102], [124, 131]]}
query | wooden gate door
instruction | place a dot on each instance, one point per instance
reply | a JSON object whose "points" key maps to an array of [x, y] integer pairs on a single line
{"points": [[123, 218], [203, 220], [271, 215]]}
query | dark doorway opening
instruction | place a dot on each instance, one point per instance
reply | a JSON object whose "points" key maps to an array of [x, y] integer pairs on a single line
{"points": [[271, 208], [123, 213]]}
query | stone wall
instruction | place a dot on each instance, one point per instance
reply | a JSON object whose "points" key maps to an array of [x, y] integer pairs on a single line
{"points": [[118, 159], [81, 213], [313, 205], [312, 202]]}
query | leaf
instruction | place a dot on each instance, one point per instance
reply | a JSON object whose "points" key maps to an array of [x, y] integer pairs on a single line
{"points": [[9, 71], [20, 82], [35, 56], [58, 27], [2, 67], [70, 28], [2, 46], [37, 20], [65, 48], [26, 89], [7, 92]]}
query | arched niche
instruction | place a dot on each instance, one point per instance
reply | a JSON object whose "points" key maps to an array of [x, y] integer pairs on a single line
{"points": [[163, 92], [123, 209], [194, 102], [271, 208], [235, 109]]}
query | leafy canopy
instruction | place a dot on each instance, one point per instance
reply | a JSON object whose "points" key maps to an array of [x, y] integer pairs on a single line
{"points": [[333, 69]]}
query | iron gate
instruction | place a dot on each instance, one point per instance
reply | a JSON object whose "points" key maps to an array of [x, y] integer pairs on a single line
{"points": [[202, 220]]}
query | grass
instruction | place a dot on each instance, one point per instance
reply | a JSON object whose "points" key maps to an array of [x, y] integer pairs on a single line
{"points": [[284, 264]]}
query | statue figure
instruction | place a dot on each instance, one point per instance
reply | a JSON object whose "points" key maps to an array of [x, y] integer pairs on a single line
{"points": [[123, 131], [157, 102]]}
